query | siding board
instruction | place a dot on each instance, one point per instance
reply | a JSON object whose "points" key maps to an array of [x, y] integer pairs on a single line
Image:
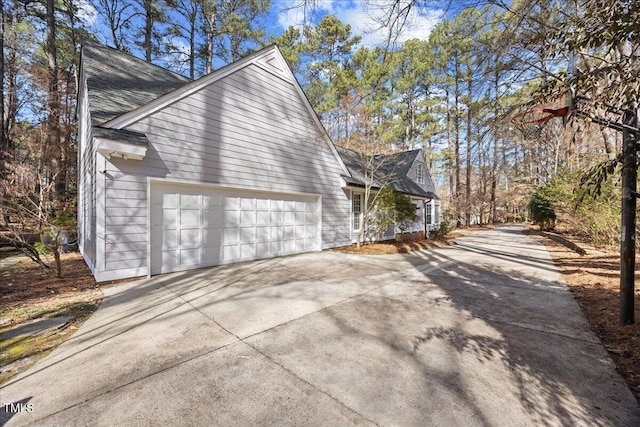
{"points": [[248, 130]]}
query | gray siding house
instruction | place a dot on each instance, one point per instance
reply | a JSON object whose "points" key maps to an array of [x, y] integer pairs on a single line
{"points": [[176, 174], [407, 172]]}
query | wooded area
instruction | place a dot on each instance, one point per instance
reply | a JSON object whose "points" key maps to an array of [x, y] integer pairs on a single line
{"points": [[453, 94]]}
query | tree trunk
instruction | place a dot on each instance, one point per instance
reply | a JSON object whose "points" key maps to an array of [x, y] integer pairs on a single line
{"points": [[192, 50], [494, 161], [456, 148], [53, 149], [148, 28], [467, 205], [4, 142], [212, 26]]}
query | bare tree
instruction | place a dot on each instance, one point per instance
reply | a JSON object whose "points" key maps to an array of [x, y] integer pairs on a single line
{"points": [[117, 16]]}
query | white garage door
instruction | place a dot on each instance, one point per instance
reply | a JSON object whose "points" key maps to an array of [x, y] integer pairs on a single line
{"points": [[198, 226]]}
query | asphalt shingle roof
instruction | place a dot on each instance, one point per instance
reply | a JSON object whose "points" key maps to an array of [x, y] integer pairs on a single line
{"points": [[118, 82], [135, 138], [389, 169]]}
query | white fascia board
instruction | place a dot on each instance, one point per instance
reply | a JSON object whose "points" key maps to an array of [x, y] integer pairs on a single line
{"points": [[133, 116], [111, 148]]}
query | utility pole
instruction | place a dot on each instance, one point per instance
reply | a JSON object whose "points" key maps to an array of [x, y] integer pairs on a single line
{"points": [[628, 221]]}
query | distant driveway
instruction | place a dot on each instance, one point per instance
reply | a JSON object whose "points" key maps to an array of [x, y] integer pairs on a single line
{"points": [[480, 333]]}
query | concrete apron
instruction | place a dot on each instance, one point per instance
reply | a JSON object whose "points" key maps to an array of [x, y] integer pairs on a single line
{"points": [[481, 333]]}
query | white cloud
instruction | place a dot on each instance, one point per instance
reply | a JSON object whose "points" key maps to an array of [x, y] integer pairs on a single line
{"points": [[86, 12], [362, 18]]}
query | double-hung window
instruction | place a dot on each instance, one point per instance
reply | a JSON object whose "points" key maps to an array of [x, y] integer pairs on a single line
{"points": [[420, 174], [357, 211]]}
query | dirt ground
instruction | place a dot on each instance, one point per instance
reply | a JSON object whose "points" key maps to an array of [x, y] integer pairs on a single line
{"points": [[27, 293]]}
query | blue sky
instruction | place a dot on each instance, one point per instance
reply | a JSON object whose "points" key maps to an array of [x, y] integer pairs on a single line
{"points": [[357, 13], [361, 16]]}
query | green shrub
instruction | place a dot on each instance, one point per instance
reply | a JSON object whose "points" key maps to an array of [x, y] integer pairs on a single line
{"points": [[42, 248], [542, 212], [390, 208], [441, 232]]}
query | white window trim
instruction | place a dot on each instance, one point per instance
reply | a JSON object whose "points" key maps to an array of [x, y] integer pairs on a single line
{"points": [[353, 213], [420, 174]]}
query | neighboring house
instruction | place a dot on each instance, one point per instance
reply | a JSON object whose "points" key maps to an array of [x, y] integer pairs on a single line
{"points": [[176, 174], [406, 172]]}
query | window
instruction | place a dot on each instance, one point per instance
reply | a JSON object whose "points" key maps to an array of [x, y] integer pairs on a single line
{"points": [[420, 174], [357, 211], [428, 216]]}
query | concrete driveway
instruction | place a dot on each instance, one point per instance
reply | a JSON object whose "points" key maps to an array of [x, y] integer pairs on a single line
{"points": [[480, 333]]}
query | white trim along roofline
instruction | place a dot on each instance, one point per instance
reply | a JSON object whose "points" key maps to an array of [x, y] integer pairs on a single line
{"points": [[135, 115]]}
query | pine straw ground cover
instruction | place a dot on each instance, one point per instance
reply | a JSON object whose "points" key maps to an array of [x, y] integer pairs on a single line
{"points": [[592, 274]]}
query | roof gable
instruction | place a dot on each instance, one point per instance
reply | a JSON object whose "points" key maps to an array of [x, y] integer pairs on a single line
{"points": [[118, 82], [268, 59], [390, 169]]}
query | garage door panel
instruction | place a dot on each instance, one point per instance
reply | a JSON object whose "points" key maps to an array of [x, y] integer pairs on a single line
{"points": [[247, 204], [197, 226], [211, 200], [190, 216], [276, 205], [169, 257], [230, 235], [211, 236], [248, 251], [170, 200], [230, 253], [230, 218], [289, 232], [169, 217], [231, 203], [212, 216], [190, 238], [190, 200], [262, 218], [211, 253], [263, 250], [247, 234], [310, 233], [289, 246], [248, 217], [289, 217], [170, 240], [190, 257], [262, 234]]}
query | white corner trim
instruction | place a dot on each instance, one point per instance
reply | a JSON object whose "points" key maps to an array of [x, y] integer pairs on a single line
{"points": [[149, 226], [111, 148]]}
